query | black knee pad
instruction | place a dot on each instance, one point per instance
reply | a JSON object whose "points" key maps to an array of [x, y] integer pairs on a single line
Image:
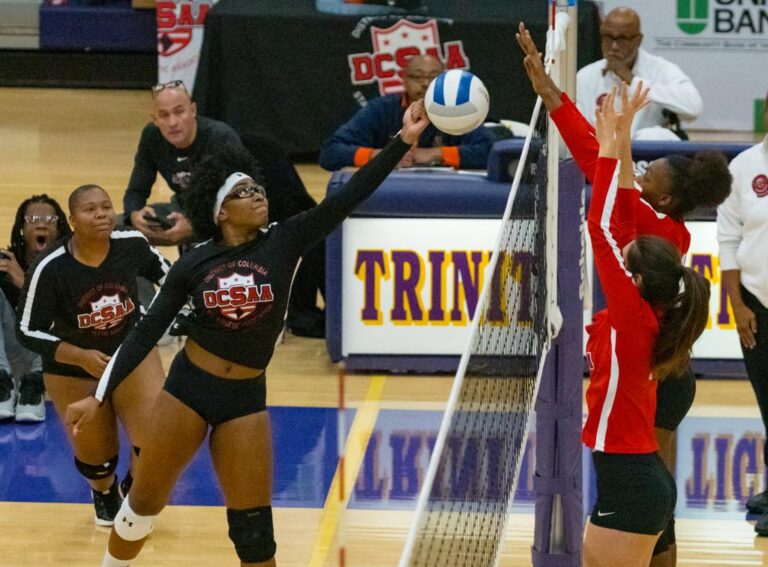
{"points": [[96, 472], [252, 533]]}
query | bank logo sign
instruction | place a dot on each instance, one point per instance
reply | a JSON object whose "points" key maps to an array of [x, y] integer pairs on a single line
{"points": [[746, 19], [692, 15]]}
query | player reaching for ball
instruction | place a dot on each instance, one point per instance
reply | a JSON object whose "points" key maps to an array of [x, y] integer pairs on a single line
{"points": [[656, 309], [217, 381]]}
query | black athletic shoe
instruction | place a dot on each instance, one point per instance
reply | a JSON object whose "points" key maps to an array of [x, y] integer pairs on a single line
{"points": [[125, 485], [30, 406], [761, 527], [107, 505], [758, 504], [7, 395]]}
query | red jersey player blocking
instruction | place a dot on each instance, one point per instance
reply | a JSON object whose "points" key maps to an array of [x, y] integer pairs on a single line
{"points": [[656, 309], [239, 283], [670, 187]]}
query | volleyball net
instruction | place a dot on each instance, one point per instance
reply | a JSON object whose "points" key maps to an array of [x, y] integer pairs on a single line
{"points": [[466, 498]]}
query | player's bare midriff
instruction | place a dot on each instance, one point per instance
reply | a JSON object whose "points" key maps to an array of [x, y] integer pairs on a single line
{"points": [[212, 364]]}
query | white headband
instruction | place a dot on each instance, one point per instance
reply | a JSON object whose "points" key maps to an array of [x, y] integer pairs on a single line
{"points": [[224, 190]]}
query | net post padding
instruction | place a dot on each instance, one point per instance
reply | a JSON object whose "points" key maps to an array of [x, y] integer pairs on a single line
{"points": [[558, 474], [559, 513]]}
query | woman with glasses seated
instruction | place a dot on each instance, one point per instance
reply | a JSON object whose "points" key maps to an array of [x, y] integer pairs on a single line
{"points": [[39, 222], [79, 303], [238, 282]]}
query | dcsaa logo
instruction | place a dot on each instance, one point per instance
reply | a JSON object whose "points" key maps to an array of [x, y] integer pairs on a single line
{"points": [[394, 46], [692, 15], [176, 21], [106, 312], [237, 296]]}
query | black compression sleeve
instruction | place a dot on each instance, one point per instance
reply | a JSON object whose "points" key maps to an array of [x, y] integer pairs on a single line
{"points": [[315, 224]]}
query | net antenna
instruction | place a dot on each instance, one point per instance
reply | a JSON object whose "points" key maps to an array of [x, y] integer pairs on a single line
{"points": [[466, 498]]}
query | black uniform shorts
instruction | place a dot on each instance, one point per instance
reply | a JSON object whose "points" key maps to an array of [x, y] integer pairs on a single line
{"points": [[674, 397], [635, 493], [215, 399], [68, 370]]}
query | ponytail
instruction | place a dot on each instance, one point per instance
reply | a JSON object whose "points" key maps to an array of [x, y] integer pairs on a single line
{"points": [[680, 293], [681, 325]]}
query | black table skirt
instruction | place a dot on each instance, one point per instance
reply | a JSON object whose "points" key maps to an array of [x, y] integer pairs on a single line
{"points": [[279, 68]]}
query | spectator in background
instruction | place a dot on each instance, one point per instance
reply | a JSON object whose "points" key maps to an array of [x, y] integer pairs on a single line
{"points": [[742, 232], [673, 95], [359, 140], [39, 222], [171, 144]]}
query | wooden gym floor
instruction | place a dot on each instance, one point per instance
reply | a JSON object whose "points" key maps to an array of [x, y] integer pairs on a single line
{"points": [[54, 140]]}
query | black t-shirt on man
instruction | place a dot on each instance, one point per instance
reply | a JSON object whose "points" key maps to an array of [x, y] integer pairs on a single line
{"points": [[156, 155]]}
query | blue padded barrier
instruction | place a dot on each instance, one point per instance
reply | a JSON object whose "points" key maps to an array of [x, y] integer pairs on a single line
{"points": [[419, 194], [108, 26]]}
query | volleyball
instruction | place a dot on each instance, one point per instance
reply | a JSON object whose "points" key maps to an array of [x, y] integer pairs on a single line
{"points": [[456, 102]]}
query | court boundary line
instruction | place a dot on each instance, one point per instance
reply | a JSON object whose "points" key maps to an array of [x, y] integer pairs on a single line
{"points": [[357, 442]]}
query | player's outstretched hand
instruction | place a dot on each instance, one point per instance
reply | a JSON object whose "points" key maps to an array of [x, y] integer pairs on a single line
{"points": [[631, 105], [415, 121], [80, 413], [544, 86], [606, 118]]}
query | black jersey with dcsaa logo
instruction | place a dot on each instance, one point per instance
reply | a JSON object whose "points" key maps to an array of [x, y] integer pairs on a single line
{"points": [[239, 294], [92, 308]]}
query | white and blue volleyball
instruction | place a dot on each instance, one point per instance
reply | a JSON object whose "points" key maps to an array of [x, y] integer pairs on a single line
{"points": [[456, 102]]}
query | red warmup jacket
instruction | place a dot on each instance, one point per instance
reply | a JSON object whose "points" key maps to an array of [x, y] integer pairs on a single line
{"points": [[579, 136], [621, 397]]}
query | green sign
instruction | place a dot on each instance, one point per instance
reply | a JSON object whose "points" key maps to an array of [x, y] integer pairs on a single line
{"points": [[692, 15], [760, 124]]}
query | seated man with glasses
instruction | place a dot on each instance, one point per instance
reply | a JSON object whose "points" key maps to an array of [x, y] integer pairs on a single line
{"points": [[170, 145], [672, 95], [359, 140]]}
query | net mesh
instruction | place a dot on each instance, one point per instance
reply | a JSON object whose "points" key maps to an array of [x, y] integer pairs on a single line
{"points": [[464, 517]]}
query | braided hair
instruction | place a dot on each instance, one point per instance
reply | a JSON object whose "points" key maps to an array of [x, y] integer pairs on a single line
{"points": [[18, 244]]}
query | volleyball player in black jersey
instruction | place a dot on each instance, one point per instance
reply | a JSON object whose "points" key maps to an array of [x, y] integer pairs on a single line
{"points": [[238, 283], [79, 303]]}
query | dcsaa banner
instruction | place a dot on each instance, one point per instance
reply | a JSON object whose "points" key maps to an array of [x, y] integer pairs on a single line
{"points": [[179, 39], [722, 45], [383, 63]]}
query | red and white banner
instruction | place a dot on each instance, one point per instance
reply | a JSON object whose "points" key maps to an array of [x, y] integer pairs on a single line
{"points": [[179, 39]]}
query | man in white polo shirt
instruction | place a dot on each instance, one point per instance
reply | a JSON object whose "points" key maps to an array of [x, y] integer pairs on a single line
{"points": [[624, 60], [742, 232]]}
